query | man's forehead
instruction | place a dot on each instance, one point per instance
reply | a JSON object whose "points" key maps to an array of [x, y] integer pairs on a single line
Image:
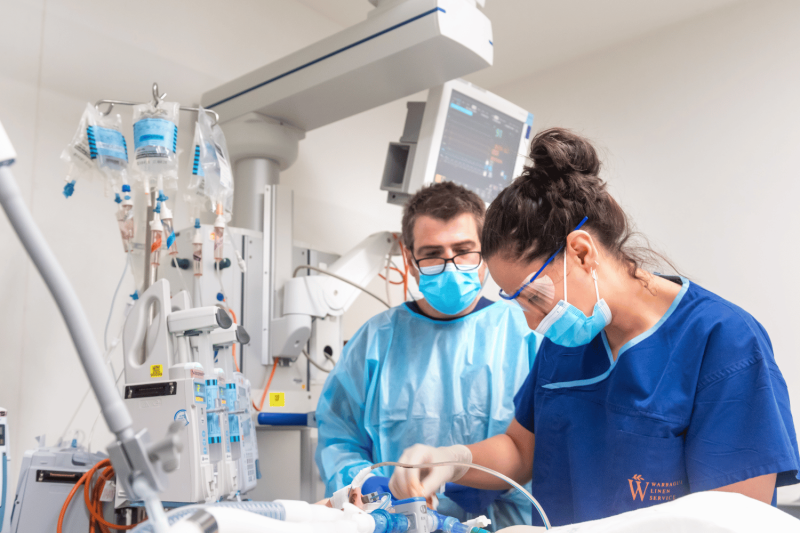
{"points": [[430, 231]]}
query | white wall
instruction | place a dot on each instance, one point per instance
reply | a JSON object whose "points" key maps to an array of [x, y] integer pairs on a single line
{"points": [[700, 127]]}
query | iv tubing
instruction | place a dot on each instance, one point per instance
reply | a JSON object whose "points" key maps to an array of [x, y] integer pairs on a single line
{"points": [[114, 299], [478, 467]]}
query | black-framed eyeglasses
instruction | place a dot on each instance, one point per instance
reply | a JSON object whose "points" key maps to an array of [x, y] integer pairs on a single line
{"points": [[431, 266]]}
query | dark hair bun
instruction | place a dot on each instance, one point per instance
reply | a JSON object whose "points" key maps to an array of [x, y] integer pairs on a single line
{"points": [[531, 218], [559, 154]]}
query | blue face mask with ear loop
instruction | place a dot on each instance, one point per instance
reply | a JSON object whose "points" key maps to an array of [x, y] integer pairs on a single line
{"points": [[453, 290], [567, 326]]}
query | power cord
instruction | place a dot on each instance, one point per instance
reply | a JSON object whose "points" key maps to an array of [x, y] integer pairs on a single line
{"points": [[319, 366]]}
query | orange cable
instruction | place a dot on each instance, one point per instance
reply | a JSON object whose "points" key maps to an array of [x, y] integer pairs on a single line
{"points": [[95, 514], [87, 488], [97, 493], [402, 279], [269, 382], [81, 481], [64, 507]]}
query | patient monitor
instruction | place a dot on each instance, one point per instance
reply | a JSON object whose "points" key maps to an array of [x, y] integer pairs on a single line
{"points": [[462, 134]]}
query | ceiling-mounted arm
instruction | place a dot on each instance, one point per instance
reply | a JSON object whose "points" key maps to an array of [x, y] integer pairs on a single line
{"points": [[321, 296], [365, 65], [310, 297]]}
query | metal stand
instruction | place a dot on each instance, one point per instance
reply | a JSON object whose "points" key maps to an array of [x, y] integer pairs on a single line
{"points": [[137, 463], [157, 98]]}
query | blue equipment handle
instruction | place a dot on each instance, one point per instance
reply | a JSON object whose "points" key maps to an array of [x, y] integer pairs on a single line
{"points": [[287, 419]]}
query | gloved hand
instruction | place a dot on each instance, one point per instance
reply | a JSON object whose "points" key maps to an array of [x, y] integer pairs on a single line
{"points": [[474, 501], [414, 482]]}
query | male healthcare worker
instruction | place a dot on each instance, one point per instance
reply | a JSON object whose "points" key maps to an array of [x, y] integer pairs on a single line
{"points": [[442, 370]]}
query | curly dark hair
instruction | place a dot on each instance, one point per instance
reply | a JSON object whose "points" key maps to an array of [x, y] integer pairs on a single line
{"points": [[443, 201]]}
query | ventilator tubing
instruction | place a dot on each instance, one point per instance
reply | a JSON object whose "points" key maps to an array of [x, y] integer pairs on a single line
{"points": [[289, 516]]}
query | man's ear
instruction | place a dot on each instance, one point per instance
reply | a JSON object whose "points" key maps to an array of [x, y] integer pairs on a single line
{"points": [[409, 256], [485, 269]]}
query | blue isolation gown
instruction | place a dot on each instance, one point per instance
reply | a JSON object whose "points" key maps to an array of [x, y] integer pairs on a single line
{"points": [[405, 379], [695, 403]]}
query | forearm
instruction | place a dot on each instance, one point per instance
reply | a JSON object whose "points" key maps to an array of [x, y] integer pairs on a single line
{"points": [[342, 451], [339, 463], [759, 488], [507, 454]]}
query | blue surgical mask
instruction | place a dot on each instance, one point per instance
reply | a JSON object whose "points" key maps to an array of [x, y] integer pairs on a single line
{"points": [[452, 291], [567, 326]]}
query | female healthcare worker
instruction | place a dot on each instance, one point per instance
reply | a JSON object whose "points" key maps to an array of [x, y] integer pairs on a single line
{"points": [[646, 387]]}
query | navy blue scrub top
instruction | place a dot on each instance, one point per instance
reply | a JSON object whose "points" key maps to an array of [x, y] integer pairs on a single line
{"points": [[695, 403]]}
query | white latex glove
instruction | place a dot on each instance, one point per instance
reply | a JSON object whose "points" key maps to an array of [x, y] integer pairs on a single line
{"points": [[415, 482]]}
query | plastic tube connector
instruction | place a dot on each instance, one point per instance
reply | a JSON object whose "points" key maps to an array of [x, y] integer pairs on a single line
{"points": [[69, 189], [386, 522], [240, 261], [361, 477], [166, 213]]}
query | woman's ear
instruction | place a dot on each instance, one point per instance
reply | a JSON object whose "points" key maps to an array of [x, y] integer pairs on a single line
{"points": [[580, 245]]}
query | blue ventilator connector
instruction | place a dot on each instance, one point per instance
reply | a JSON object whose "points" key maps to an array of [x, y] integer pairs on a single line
{"points": [[413, 516]]}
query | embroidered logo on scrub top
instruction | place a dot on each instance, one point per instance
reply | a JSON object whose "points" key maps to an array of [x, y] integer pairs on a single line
{"points": [[652, 491]]}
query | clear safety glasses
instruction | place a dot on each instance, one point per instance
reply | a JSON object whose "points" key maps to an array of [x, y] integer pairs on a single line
{"points": [[430, 266], [537, 292], [537, 296]]}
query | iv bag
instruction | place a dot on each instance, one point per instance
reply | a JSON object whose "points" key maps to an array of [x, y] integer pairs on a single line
{"points": [[155, 137], [107, 147], [77, 155]]}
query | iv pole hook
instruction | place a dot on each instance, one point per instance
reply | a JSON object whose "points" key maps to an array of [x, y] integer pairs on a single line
{"points": [[156, 98]]}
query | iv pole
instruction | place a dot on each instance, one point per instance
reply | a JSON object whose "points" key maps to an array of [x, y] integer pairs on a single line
{"points": [[139, 465]]}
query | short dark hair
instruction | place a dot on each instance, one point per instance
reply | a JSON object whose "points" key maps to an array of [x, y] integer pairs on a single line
{"points": [[443, 201]]}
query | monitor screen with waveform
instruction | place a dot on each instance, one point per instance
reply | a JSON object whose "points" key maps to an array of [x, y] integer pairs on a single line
{"points": [[479, 147]]}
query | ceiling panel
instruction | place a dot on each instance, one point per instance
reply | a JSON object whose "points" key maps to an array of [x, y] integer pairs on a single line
{"points": [[533, 35], [226, 40]]}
